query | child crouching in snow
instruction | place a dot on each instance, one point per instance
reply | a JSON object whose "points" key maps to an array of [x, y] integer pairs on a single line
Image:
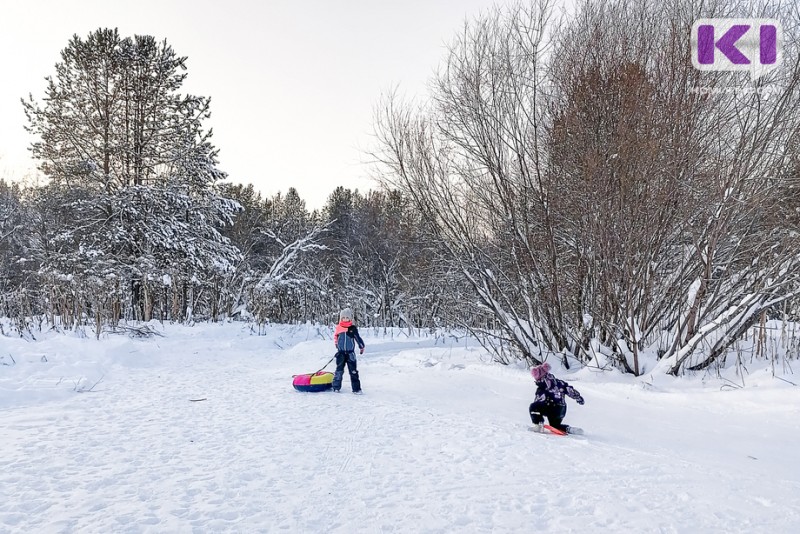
{"points": [[550, 402]]}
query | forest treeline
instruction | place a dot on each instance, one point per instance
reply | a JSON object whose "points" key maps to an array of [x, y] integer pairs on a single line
{"points": [[570, 186]]}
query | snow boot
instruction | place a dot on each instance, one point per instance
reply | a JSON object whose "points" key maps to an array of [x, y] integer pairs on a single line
{"points": [[537, 428], [574, 430]]}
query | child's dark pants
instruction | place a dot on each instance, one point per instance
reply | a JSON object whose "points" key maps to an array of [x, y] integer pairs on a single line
{"points": [[348, 358], [539, 410]]}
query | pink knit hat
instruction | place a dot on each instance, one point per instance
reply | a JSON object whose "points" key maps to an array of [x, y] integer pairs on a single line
{"points": [[540, 370]]}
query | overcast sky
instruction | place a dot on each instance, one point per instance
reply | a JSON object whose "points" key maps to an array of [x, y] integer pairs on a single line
{"points": [[292, 83]]}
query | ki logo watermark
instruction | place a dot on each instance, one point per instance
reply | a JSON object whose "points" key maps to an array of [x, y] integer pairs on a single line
{"points": [[753, 45]]}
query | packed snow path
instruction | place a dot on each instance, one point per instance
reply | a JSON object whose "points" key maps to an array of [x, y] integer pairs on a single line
{"points": [[438, 443]]}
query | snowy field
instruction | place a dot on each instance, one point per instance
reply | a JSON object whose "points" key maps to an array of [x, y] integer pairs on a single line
{"points": [[104, 437]]}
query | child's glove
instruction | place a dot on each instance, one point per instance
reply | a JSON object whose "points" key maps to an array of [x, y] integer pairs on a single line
{"points": [[581, 401], [361, 350]]}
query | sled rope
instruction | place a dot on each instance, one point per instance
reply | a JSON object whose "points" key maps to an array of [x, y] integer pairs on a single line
{"points": [[326, 365], [322, 369]]}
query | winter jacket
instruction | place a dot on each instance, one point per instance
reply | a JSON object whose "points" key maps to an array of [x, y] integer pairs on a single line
{"points": [[346, 337], [552, 390]]}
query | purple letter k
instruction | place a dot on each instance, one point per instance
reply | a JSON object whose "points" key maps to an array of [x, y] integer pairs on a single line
{"points": [[726, 44]]}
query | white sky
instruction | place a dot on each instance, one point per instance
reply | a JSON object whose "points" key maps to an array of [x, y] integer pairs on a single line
{"points": [[292, 83]]}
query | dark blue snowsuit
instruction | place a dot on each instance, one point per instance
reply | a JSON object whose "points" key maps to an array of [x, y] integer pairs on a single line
{"points": [[550, 402], [347, 338]]}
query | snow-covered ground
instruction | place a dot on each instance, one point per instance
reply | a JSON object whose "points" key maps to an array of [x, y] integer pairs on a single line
{"points": [[104, 436]]}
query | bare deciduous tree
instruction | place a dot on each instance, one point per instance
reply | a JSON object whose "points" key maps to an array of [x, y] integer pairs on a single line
{"points": [[602, 187], [473, 162]]}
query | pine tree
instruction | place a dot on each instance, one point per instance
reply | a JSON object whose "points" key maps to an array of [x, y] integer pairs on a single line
{"points": [[130, 153]]}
